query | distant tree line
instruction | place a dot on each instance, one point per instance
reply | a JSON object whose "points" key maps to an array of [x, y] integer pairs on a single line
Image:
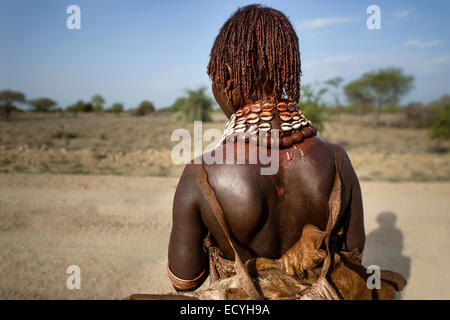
{"points": [[375, 91], [10, 101]]}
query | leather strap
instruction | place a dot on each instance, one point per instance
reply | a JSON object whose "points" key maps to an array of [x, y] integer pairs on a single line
{"points": [[334, 213], [245, 279]]}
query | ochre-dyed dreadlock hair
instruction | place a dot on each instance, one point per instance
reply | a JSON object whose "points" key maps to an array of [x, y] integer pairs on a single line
{"points": [[261, 47]]}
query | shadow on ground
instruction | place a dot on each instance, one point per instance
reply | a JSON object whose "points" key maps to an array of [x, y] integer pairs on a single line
{"points": [[384, 246]]}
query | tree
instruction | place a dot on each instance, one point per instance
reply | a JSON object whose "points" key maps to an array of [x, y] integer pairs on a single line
{"points": [[144, 108], [7, 100], [42, 104], [195, 106], [177, 105], [80, 106], [335, 83], [116, 108], [358, 95], [382, 88], [97, 103], [311, 106]]}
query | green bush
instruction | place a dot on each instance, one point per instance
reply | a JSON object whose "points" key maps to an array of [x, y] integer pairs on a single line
{"points": [[116, 108], [177, 105], [392, 108], [441, 124], [195, 106], [64, 134], [145, 108], [311, 105], [97, 102], [419, 116], [97, 108], [351, 108], [434, 116], [80, 106]]}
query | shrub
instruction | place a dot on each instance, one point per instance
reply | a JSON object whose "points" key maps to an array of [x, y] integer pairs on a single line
{"points": [[351, 108], [418, 115], [116, 108], [80, 106], [441, 122], [311, 105], [64, 134], [145, 108], [97, 108], [195, 106], [97, 102], [434, 115]]}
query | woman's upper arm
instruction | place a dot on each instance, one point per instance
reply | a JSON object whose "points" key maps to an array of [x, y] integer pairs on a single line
{"points": [[187, 258], [353, 217]]}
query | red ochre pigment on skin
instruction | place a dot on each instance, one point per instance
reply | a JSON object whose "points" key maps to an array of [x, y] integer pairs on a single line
{"points": [[280, 190], [305, 145]]}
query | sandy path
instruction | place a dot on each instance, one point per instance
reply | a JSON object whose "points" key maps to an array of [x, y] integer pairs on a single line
{"points": [[116, 229]]}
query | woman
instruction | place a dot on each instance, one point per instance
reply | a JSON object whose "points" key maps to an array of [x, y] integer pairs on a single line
{"points": [[255, 72]]}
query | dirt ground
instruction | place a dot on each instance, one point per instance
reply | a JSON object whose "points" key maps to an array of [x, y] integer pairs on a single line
{"points": [[116, 230], [95, 190]]}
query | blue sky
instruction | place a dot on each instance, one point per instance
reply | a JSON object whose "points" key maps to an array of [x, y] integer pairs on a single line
{"points": [[133, 50]]}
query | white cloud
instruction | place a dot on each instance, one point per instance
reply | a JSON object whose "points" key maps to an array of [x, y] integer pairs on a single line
{"points": [[422, 44], [402, 14], [322, 24], [441, 59]]}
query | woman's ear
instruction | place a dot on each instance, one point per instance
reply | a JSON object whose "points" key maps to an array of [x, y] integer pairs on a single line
{"points": [[229, 82]]}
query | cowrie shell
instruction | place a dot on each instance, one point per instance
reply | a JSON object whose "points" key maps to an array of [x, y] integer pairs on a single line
{"points": [[253, 129], [255, 108], [267, 106], [264, 127], [252, 116], [240, 120], [252, 121], [286, 126], [285, 116], [266, 116]]}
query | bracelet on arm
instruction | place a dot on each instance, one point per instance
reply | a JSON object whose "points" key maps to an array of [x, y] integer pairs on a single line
{"points": [[182, 284]]}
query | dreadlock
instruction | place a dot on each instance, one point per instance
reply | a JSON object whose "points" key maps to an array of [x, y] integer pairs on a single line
{"points": [[260, 46]]}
